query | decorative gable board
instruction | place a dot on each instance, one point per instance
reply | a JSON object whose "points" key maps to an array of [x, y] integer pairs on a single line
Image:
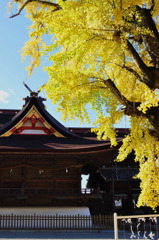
{"points": [[32, 124]]}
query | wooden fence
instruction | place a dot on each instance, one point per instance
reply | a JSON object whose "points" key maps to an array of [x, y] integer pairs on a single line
{"points": [[53, 222]]}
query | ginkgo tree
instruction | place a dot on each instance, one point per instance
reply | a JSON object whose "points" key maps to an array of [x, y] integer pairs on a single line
{"points": [[106, 54]]}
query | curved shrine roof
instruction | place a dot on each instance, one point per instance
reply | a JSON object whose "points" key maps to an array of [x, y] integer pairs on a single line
{"points": [[33, 128]]}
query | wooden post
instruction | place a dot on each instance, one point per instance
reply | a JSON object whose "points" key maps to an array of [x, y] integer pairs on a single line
{"points": [[37, 220], [48, 222], [115, 227], [78, 222], [51, 222], [0, 221], [10, 221], [56, 221], [54, 226], [130, 203], [34, 221], [105, 221], [31, 221], [26, 221], [64, 217], [16, 220], [40, 221], [113, 196], [70, 221], [99, 221], [45, 221], [6, 222]]}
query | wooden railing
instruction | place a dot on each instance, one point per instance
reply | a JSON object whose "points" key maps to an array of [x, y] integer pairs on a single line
{"points": [[14, 192], [53, 222]]}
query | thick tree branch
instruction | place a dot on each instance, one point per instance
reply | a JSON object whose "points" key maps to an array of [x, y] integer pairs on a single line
{"points": [[130, 70], [131, 108], [57, 6], [152, 5], [148, 73], [133, 72], [151, 41], [137, 59], [148, 77], [110, 84], [148, 22]]}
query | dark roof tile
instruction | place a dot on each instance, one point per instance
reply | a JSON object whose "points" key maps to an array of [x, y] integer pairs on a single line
{"points": [[119, 174], [51, 142]]}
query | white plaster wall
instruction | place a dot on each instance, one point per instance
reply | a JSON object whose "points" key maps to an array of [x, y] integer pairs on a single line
{"points": [[33, 131], [45, 211]]}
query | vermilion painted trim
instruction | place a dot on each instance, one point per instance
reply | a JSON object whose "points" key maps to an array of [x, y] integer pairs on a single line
{"points": [[21, 129], [13, 129], [25, 119]]}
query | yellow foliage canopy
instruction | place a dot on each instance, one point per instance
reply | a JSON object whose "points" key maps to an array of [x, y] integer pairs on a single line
{"points": [[105, 53]]}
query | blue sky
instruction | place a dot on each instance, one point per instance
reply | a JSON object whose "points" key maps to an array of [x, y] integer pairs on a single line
{"points": [[14, 34]]}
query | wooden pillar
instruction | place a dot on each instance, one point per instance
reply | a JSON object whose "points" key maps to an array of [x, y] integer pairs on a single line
{"points": [[53, 166], [23, 174], [130, 205], [1, 175], [113, 206], [79, 178]]}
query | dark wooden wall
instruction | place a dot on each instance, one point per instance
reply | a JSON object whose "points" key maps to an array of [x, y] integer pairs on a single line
{"points": [[43, 172]]}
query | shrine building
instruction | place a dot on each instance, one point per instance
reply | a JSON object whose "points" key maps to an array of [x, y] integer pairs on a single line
{"points": [[42, 162]]}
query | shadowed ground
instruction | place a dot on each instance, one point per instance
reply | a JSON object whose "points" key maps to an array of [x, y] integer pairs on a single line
{"points": [[61, 235]]}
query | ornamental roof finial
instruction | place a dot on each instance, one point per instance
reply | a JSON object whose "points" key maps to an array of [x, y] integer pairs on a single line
{"points": [[33, 94]]}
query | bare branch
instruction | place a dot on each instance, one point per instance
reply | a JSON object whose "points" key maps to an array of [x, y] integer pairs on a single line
{"points": [[57, 6], [28, 1]]}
